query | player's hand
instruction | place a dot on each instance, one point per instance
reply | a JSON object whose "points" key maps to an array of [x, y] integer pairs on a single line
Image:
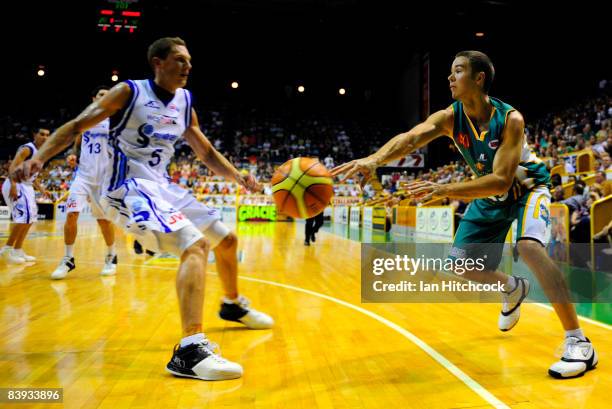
{"points": [[423, 191], [26, 169], [364, 166], [13, 194], [250, 184]]}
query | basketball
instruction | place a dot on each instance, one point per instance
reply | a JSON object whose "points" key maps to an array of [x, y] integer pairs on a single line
{"points": [[302, 187]]}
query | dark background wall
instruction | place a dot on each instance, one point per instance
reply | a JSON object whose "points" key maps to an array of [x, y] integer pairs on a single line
{"points": [[545, 58]]}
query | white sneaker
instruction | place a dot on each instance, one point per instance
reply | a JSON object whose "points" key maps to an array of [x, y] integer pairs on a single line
{"points": [[202, 362], [511, 305], [65, 266], [110, 265], [578, 357], [25, 256], [12, 257], [243, 313]]}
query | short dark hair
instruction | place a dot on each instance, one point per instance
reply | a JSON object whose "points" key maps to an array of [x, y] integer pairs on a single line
{"points": [[480, 62], [578, 188], [38, 126], [98, 89], [162, 47]]}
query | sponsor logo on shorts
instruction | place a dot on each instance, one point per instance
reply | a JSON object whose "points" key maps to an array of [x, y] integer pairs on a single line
{"points": [[545, 214], [176, 217], [142, 216]]}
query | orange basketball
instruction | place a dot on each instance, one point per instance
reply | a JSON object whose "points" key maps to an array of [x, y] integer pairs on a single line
{"points": [[302, 188]]}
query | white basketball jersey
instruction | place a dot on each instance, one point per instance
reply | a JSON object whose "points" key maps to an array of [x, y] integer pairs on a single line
{"points": [[33, 150], [143, 139], [95, 153]]}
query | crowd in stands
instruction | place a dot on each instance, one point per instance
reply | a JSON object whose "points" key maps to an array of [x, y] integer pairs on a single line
{"points": [[257, 142]]}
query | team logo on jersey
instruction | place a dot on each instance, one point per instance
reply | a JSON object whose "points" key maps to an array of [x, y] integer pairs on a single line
{"points": [[147, 131], [153, 104], [172, 107], [494, 144], [463, 139], [162, 119]]}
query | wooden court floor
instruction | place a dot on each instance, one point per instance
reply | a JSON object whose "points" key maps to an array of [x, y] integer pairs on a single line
{"points": [[106, 340]]}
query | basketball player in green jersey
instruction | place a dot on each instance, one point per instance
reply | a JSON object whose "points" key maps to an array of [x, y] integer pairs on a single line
{"points": [[511, 184]]}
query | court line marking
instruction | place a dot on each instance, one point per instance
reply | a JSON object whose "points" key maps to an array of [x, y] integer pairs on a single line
{"points": [[448, 365], [548, 307], [435, 355], [589, 320]]}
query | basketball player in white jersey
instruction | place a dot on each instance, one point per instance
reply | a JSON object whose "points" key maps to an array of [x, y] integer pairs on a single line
{"points": [[147, 118], [87, 185], [21, 201]]}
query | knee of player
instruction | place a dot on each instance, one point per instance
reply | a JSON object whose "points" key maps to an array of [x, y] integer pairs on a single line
{"points": [[73, 216], [199, 249], [230, 241], [204, 245]]}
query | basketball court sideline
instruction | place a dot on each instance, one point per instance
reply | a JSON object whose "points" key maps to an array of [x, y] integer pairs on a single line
{"points": [[105, 339]]}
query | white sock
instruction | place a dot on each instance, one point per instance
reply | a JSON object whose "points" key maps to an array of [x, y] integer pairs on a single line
{"points": [[110, 250], [231, 300], [575, 333], [510, 285], [192, 339], [69, 249], [6, 248]]}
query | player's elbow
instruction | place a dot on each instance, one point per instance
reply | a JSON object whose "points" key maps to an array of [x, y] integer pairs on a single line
{"points": [[409, 141], [76, 127], [502, 184]]}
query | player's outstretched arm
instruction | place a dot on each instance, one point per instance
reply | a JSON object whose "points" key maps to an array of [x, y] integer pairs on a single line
{"points": [[76, 147], [41, 189], [63, 136], [211, 157], [499, 182], [20, 156], [438, 124]]}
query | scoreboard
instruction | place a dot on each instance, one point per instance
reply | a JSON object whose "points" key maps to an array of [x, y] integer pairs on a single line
{"points": [[117, 16]]}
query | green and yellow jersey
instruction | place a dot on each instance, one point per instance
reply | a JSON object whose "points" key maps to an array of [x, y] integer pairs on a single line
{"points": [[478, 148]]}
